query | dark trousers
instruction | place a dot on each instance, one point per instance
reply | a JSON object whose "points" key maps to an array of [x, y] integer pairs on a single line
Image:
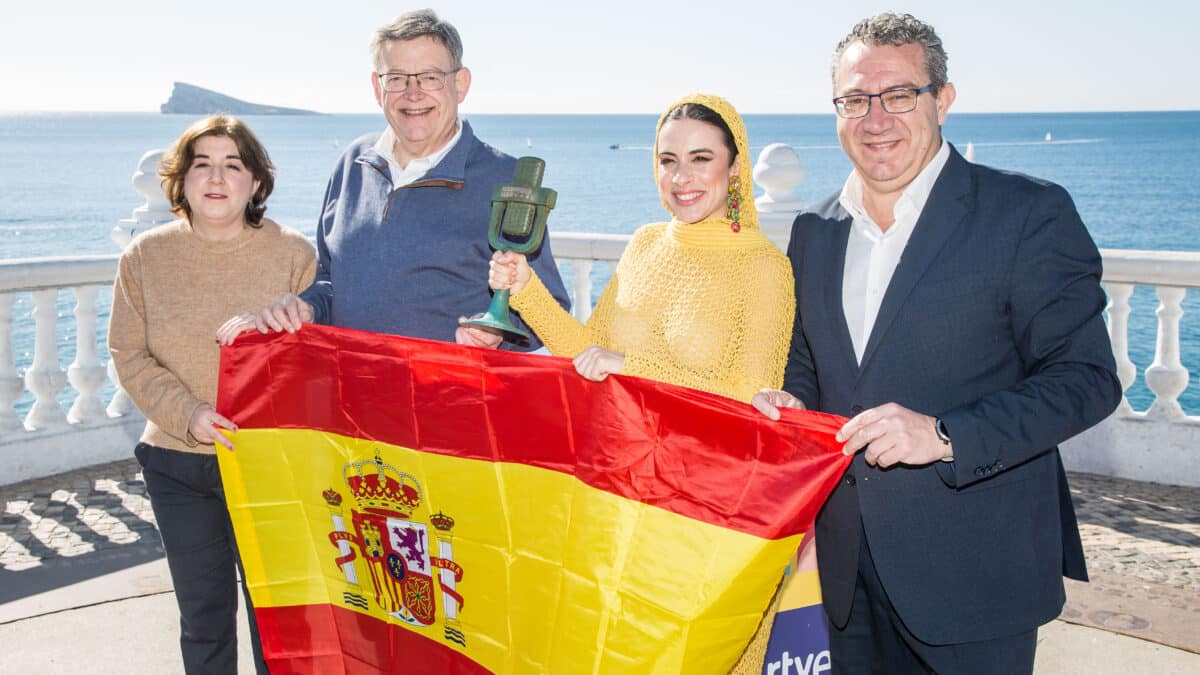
{"points": [[876, 641], [189, 505]]}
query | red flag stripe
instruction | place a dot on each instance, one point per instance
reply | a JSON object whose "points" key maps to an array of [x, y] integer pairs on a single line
{"points": [[327, 639], [639, 439]]}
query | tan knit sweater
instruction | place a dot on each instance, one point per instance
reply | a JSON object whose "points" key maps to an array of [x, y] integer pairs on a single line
{"points": [[173, 290], [693, 304]]}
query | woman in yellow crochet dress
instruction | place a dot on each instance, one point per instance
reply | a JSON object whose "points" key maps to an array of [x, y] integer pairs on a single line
{"points": [[705, 300]]}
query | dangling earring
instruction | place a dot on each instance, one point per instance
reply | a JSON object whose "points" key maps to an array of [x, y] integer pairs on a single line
{"points": [[733, 203]]}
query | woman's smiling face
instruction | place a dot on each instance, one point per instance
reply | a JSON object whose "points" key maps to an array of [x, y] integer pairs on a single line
{"points": [[693, 169]]}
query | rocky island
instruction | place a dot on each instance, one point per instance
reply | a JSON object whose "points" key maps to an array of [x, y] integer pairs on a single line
{"points": [[188, 99]]}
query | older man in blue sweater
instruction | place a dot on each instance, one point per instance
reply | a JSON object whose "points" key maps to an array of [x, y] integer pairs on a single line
{"points": [[402, 243]]}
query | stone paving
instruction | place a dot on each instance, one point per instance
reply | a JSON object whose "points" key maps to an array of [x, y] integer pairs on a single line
{"points": [[73, 526], [1145, 531], [1142, 542]]}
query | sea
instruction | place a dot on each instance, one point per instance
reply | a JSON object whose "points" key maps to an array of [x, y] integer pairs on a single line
{"points": [[1134, 176]]}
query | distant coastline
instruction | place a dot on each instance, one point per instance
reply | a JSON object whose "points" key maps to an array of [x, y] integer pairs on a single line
{"points": [[188, 99]]}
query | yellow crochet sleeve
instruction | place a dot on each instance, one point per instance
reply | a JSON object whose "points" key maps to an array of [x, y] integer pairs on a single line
{"points": [[561, 332]]}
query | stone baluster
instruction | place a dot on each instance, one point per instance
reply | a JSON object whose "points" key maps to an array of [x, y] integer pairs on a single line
{"points": [[11, 384], [778, 172], [155, 211], [86, 374], [581, 301], [1167, 377], [45, 377], [1118, 332], [120, 405]]}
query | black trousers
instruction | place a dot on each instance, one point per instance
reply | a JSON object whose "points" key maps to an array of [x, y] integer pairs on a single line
{"points": [[189, 505], [876, 641]]}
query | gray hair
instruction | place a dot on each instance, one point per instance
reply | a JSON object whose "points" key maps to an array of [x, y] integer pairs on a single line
{"points": [[897, 30], [418, 24]]}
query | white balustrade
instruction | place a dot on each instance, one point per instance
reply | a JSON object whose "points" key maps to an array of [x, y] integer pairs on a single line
{"points": [[45, 378], [46, 444], [1171, 273]]}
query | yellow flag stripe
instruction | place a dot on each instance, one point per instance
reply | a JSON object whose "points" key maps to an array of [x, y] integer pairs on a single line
{"points": [[543, 576]]}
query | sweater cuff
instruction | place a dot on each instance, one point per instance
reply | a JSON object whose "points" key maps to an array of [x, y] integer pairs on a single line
{"points": [[187, 436]]}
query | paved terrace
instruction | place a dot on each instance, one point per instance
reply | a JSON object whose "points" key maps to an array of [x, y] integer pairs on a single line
{"points": [[84, 586]]}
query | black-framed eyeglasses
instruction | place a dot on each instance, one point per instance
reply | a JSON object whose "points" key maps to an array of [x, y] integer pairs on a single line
{"points": [[895, 101], [429, 80]]}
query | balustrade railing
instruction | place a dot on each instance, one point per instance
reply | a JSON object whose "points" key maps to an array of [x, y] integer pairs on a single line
{"points": [[43, 278], [1158, 444], [1170, 273]]}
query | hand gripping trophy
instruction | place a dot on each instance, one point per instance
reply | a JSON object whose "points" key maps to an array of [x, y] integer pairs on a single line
{"points": [[518, 223]]}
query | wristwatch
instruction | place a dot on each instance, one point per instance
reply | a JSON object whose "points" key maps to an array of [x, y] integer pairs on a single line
{"points": [[939, 427]]}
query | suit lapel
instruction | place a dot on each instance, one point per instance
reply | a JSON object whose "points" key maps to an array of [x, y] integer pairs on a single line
{"points": [[944, 210]]}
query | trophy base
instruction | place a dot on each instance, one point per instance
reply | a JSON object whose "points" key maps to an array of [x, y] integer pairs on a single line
{"points": [[489, 320]]}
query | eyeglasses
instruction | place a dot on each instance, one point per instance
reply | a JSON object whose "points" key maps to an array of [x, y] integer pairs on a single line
{"points": [[894, 101], [430, 80]]}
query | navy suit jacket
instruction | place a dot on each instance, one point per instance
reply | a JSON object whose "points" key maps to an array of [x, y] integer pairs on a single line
{"points": [[992, 321]]}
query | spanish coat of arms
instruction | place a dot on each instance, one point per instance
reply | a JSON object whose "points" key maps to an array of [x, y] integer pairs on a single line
{"points": [[396, 550]]}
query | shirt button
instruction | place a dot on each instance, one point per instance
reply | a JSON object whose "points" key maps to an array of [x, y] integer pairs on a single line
{"points": [[850, 480]]}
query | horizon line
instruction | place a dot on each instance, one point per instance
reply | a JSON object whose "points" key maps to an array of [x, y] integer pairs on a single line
{"points": [[318, 113]]}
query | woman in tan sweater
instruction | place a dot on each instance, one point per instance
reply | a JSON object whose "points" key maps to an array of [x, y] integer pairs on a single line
{"points": [[176, 286]]}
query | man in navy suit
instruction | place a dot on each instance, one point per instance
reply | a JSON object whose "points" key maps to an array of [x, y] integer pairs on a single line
{"points": [[954, 313]]}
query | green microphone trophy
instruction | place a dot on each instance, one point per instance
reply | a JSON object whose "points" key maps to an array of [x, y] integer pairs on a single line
{"points": [[518, 224]]}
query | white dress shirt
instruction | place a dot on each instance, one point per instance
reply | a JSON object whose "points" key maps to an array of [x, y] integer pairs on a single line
{"points": [[403, 175], [873, 253]]}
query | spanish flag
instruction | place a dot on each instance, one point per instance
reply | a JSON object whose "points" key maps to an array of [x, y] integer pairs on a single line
{"points": [[406, 506]]}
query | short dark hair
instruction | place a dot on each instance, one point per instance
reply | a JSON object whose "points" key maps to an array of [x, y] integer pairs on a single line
{"points": [[897, 30], [418, 24], [702, 113], [178, 159]]}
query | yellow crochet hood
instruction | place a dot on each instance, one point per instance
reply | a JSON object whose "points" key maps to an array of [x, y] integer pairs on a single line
{"points": [[747, 213]]}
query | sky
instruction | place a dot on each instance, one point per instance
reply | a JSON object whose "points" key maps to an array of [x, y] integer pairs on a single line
{"points": [[607, 56]]}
